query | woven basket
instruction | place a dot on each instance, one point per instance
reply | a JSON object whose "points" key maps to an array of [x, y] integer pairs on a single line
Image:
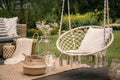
{"points": [[8, 50], [21, 30], [35, 41], [34, 65]]}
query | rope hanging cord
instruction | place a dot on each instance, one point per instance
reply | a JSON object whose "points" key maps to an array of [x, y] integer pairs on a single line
{"points": [[106, 12], [61, 17], [69, 19], [69, 15], [61, 21], [106, 16]]}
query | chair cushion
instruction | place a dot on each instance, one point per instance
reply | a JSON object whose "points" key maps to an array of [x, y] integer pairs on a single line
{"points": [[93, 40]]}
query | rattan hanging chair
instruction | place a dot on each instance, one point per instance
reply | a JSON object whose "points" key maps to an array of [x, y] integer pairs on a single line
{"points": [[83, 41]]}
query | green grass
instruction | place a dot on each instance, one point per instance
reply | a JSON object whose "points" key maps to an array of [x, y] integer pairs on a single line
{"points": [[113, 50], [51, 46]]}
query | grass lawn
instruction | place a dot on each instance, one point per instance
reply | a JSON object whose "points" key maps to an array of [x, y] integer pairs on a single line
{"points": [[112, 52]]}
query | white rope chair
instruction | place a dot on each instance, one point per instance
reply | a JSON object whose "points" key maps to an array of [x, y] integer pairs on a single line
{"points": [[69, 43]]}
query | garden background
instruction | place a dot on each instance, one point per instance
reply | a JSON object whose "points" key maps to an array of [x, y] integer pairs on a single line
{"points": [[83, 12]]}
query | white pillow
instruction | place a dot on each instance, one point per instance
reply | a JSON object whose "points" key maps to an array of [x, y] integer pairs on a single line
{"points": [[93, 40], [10, 24]]}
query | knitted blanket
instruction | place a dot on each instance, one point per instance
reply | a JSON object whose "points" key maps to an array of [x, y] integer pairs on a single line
{"points": [[23, 46]]}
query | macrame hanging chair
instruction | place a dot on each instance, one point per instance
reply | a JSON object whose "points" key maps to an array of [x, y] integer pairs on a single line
{"points": [[84, 41]]}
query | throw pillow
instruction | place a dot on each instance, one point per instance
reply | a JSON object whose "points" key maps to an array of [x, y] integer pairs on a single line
{"points": [[93, 40], [11, 23]]}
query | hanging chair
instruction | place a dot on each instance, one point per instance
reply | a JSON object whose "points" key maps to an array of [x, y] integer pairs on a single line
{"points": [[85, 41]]}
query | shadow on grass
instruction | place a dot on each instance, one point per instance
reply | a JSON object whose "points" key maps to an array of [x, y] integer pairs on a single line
{"points": [[80, 74]]}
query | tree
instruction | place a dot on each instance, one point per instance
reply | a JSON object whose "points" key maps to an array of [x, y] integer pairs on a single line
{"points": [[29, 11], [43, 10], [46, 8], [114, 6], [11, 8]]}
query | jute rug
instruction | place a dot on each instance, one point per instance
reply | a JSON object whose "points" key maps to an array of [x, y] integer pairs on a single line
{"points": [[76, 72]]}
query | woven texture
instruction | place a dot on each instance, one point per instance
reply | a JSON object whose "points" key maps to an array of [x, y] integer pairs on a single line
{"points": [[72, 40], [8, 51], [21, 30], [35, 41], [34, 65]]}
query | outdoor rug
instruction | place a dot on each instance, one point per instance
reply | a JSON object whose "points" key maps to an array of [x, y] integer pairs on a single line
{"points": [[80, 74]]}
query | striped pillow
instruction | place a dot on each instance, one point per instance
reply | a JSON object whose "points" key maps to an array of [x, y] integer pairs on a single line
{"points": [[3, 30]]}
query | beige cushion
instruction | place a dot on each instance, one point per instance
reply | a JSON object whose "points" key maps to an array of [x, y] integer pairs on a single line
{"points": [[93, 40]]}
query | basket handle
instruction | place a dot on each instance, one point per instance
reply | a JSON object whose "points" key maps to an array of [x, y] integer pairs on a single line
{"points": [[35, 34]]}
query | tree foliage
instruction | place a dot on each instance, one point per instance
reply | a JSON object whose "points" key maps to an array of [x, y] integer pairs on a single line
{"points": [[10, 8], [29, 11]]}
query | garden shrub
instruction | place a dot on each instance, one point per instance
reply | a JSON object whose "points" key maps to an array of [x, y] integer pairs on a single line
{"points": [[80, 20], [54, 31], [31, 31], [117, 22]]}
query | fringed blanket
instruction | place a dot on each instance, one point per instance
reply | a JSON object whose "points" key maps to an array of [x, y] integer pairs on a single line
{"points": [[23, 46]]}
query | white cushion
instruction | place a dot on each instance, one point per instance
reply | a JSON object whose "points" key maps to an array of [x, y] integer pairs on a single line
{"points": [[93, 40], [10, 24]]}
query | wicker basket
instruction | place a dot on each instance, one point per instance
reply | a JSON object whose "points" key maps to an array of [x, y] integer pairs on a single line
{"points": [[8, 50], [34, 65], [21, 30], [35, 41]]}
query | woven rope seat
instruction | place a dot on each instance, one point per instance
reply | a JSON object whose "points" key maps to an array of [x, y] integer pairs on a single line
{"points": [[69, 43]]}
